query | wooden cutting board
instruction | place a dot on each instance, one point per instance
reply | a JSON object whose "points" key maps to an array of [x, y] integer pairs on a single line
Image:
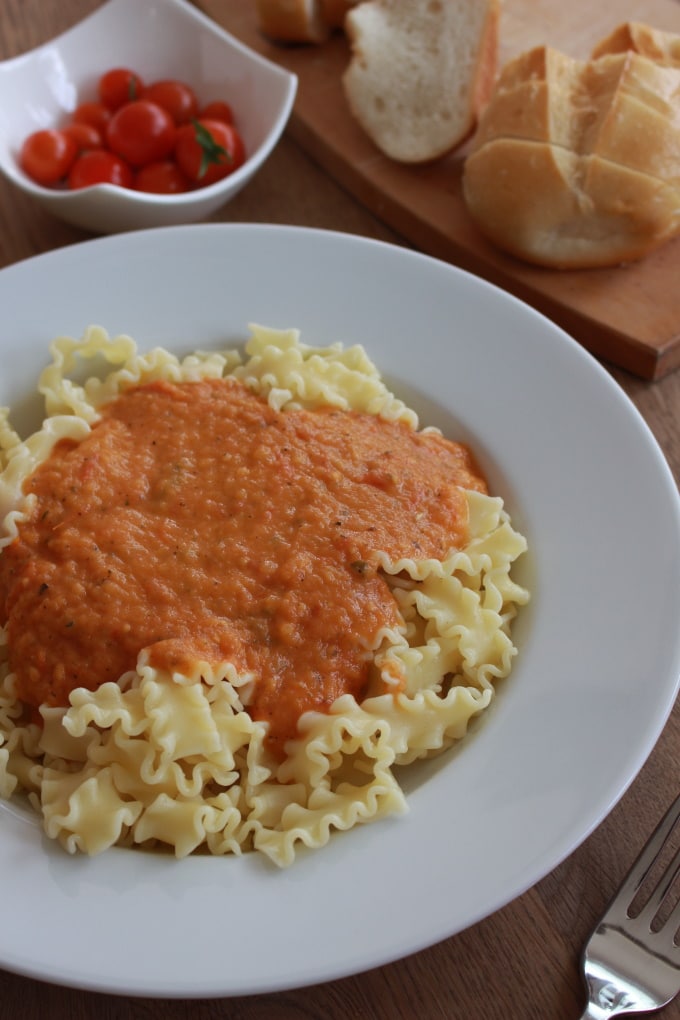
{"points": [[629, 315]]}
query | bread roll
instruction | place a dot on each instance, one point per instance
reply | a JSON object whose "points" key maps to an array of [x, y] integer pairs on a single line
{"points": [[577, 164], [661, 47], [420, 72]]}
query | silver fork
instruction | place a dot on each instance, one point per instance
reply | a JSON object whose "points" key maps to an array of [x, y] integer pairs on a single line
{"points": [[631, 964]]}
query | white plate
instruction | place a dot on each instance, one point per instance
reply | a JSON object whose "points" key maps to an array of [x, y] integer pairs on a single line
{"points": [[599, 656]]}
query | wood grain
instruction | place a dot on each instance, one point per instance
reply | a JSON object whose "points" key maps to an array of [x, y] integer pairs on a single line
{"points": [[519, 964], [628, 315]]}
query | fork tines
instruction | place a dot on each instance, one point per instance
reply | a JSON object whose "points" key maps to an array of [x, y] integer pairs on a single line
{"points": [[640, 908]]}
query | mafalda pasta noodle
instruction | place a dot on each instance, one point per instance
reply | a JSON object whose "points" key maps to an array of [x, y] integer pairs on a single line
{"points": [[238, 591]]}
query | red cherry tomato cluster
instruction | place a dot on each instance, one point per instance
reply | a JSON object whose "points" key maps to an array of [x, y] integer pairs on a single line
{"points": [[155, 138]]}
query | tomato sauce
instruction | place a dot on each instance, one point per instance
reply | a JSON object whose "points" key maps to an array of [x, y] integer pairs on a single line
{"points": [[197, 522]]}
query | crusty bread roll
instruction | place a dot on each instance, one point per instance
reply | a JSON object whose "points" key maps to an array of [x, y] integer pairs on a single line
{"points": [[661, 47], [420, 72], [576, 164]]}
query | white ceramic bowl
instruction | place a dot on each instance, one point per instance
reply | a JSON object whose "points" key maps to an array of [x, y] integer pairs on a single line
{"points": [[158, 39]]}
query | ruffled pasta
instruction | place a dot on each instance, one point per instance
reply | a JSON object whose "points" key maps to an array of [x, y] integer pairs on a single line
{"points": [[161, 759]]}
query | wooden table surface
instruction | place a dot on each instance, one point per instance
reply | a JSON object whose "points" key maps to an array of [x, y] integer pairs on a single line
{"points": [[523, 961]]}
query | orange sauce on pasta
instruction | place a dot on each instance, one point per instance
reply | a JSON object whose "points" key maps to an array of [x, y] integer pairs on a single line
{"points": [[199, 523]]}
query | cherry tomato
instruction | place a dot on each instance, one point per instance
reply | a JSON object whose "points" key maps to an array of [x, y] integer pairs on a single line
{"points": [[141, 132], [86, 136], [208, 150], [217, 110], [92, 113], [47, 155], [176, 97], [153, 138], [99, 166], [117, 86], [163, 178]]}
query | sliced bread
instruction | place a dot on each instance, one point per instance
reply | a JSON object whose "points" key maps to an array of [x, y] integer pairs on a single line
{"points": [[420, 72]]}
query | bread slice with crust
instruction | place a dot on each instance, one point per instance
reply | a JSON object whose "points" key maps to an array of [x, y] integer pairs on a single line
{"points": [[420, 72]]}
